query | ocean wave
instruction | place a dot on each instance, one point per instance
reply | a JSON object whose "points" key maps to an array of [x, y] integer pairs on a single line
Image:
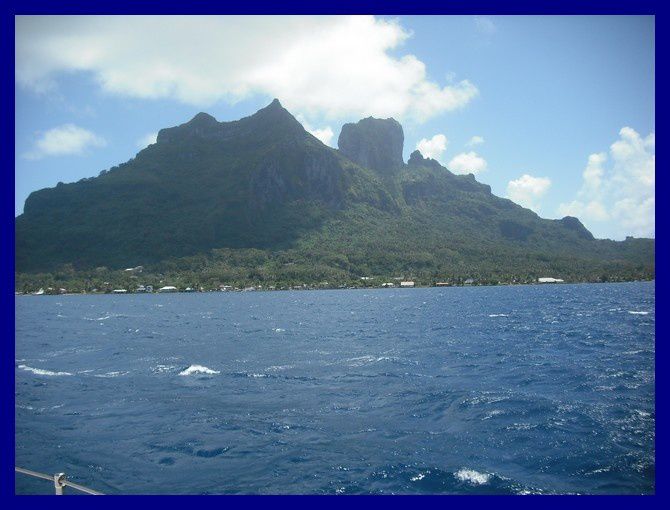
{"points": [[491, 414], [277, 368], [366, 360], [485, 398], [633, 312], [251, 375], [529, 491], [630, 353], [104, 318], [521, 426], [40, 371], [160, 369], [605, 469], [498, 315], [472, 477], [198, 369], [109, 375]]}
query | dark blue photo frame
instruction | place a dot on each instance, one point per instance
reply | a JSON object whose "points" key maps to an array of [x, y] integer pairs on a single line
{"points": [[392, 7]]}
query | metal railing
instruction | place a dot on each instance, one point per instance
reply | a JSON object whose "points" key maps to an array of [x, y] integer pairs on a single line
{"points": [[59, 480]]}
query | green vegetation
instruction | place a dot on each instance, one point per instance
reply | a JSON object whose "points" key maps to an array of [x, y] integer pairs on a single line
{"points": [[262, 202]]}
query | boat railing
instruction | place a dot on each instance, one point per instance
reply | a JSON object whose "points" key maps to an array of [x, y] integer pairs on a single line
{"points": [[59, 480]]}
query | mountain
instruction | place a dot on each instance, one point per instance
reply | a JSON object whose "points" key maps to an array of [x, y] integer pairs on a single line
{"points": [[263, 195]]}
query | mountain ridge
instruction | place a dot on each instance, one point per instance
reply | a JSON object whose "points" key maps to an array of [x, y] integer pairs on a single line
{"points": [[264, 183]]}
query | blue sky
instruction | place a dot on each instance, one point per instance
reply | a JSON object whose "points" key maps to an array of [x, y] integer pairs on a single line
{"points": [[557, 113]]}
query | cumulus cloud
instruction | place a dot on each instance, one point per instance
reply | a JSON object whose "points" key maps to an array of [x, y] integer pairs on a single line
{"points": [[592, 210], [336, 66], [590, 205], [617, 196], [434, 147], [324, 134], [64, 140], [146, 140], [467, 163], [474, 141], [527, 190]]}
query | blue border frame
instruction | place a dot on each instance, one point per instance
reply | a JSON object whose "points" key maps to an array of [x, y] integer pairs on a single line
{"points": [[390, 7]]}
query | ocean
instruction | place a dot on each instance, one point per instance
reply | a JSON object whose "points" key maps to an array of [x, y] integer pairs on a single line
{"points": [[471, 390]]}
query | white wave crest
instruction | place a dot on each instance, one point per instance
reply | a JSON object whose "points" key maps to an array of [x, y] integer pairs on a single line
{"points": [[367, 360], [103, 318], [109, 375], [40, 371], [160, 369], [277, 368], [498, 315], [632, 312], [471, 476], [198, 369]]}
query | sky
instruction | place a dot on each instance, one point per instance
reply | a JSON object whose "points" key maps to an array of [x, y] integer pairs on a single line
{"points": [[554, 112]]}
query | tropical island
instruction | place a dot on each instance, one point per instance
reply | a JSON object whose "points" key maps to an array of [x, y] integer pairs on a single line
{"points": [[262, 203]]}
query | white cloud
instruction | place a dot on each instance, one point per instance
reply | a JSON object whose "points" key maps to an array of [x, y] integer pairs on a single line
{"points": [[485, 25], [594, 171], [591, 210], [325, 134], [619, 199], [433, 148], [336, 66], [590, 205], [474, 141], [146, 140], [527, 190], [64, 140], [467, 163]]}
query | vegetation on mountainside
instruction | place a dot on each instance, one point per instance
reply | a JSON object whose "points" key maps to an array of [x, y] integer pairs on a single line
{"points": [[262, 202]]}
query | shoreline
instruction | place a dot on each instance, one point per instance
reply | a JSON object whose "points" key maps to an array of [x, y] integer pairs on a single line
{"points": [[261, 289]]}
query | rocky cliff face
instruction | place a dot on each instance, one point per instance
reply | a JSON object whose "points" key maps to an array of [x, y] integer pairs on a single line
{"points": [[373, 143], [315, 175]]}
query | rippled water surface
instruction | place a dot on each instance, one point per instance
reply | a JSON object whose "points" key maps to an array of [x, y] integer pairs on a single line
{"points": [[526, 389]]}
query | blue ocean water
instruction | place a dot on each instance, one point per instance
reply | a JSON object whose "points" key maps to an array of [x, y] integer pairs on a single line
{"points": [[482, 390]]}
